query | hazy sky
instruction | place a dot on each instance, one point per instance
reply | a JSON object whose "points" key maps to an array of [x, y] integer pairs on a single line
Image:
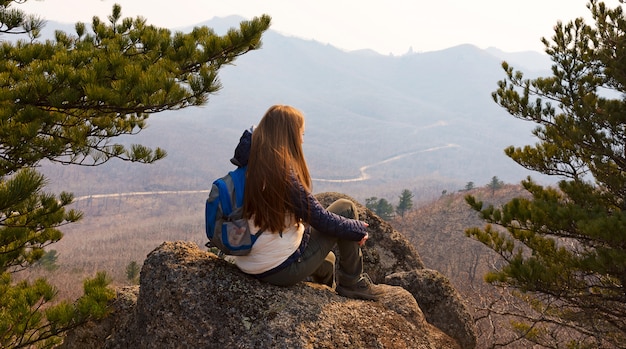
{"points": [[385, 26]]}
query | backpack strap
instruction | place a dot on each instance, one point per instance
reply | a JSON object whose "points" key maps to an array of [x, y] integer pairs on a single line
{"points": [[238, 177], [227, 208], [239, 181]]}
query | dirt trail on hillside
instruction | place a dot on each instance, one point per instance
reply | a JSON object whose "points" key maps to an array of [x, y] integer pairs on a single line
{"points": [[362, 177], [363, 170]]}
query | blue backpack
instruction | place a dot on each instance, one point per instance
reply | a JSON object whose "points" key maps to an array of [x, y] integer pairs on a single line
{"points": [[226, 227]]}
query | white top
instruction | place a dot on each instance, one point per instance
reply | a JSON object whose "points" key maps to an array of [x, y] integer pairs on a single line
{"points": [[270, 249]]}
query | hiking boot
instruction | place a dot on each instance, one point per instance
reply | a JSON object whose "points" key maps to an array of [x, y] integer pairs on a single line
{"points": [[362, 289]]}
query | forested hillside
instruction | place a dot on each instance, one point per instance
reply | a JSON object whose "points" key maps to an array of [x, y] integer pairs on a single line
{"points": [[117, 231], [375, 124], [438, 232], [434, 126]]}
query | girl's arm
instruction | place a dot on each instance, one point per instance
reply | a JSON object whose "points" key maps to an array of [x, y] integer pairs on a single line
{"points": [[309, 209]]}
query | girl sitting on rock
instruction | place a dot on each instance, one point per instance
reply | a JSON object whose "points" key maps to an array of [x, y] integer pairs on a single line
{"points": [[298, 233]]}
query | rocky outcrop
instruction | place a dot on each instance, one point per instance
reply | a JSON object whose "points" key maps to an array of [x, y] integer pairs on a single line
{"points": [[386, 251], [190, 298], [440, 303]]}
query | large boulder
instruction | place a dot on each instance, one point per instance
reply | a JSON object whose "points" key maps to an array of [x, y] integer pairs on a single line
{"points": [[189, 297], [440, 302]]}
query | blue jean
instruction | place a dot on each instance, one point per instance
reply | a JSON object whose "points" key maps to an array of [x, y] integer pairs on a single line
{"points": [[318, 261]]}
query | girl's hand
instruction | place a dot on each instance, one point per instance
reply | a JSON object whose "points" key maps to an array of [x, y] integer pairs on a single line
{"points": [[362, 242]]}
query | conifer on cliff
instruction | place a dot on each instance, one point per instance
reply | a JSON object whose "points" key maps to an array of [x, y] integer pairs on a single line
{"points": [[68, 100], [564, 248]]}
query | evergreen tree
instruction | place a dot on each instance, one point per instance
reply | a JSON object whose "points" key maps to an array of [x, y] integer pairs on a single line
{"points": [[371, 203], [495, 184], [49, 260], [469, 186], [384, 209], [132, 272], [66, 100], [15, 21], [564, 248], [406, 202], [381, 207]]}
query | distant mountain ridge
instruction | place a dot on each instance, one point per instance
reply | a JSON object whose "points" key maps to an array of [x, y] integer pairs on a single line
{"points": [[423, 121]]}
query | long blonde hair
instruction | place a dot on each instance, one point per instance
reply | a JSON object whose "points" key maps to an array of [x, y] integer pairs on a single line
{"points": [[275, 156]]}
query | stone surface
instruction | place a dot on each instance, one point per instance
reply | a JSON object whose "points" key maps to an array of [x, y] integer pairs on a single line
{"points": [[440, 302], [190, 298]]}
